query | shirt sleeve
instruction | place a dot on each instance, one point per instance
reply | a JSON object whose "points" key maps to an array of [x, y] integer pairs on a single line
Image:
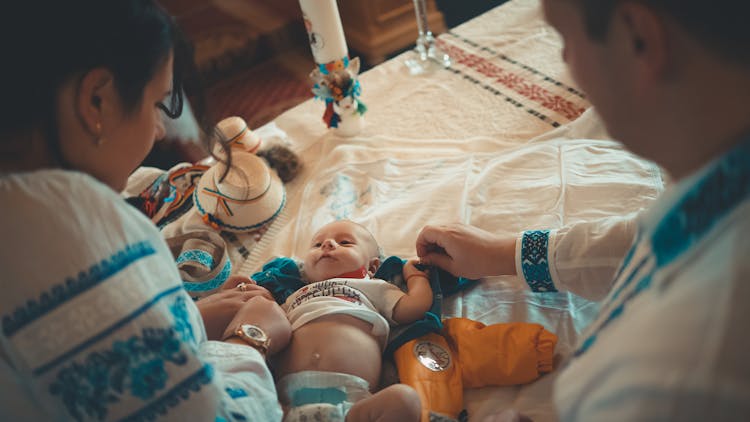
{"points": [[385, 298], [101, 327], [580, 258], [248, 386]]}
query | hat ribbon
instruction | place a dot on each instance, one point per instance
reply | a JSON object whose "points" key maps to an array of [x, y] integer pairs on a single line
{"points": [[223, 200], [236, 137]]}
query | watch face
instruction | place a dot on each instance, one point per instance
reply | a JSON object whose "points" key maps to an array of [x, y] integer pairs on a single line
{"points": [[253, 332]]}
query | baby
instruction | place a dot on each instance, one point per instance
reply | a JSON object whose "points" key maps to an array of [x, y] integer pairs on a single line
{"points": [[340, 322]]}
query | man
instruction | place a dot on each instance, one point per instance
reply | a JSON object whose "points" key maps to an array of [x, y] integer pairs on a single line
{"points": [[671, 80]]}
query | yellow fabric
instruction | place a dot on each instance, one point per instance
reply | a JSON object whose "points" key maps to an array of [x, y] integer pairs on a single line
{"points": [[500, 354], [439, 391], [480, 355]]}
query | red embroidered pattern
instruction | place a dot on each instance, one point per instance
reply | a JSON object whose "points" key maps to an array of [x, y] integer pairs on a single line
{"points": [[513, 81]]}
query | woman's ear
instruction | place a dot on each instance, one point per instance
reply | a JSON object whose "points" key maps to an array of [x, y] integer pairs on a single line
{"points": [[373, 266], [95, 99]]}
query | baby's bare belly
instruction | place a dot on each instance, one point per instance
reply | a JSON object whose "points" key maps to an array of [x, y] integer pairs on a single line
{"points": [[337, 343]]}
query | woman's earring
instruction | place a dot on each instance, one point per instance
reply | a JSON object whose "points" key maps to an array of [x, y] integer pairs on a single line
{"points": [[99, 138]]}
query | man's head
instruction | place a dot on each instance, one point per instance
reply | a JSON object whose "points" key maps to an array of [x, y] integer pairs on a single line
{"points": [[721, 25], [654, 68], [341, 247]]}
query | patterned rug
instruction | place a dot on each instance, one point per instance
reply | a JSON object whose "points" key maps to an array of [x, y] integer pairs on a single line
{"points": [[260, 93]]}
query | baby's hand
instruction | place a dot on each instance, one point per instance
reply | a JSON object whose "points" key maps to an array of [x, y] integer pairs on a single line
{"points": [[410, 270], [418, 297]]}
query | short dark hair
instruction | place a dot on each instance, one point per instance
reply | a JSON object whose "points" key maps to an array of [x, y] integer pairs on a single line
{"points": [[721, 25], [46, 42]]}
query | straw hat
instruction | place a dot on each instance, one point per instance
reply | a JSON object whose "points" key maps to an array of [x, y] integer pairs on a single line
{"points": [[239, 136], [250, 195]]}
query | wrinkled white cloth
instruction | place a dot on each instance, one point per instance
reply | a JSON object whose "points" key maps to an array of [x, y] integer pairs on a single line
{"points": [[96, 323]]}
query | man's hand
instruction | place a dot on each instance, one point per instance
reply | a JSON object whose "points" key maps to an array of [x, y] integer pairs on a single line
{"points": [[466, 251]]}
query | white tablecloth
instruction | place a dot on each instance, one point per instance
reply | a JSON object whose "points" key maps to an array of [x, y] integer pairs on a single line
{"points": [[503, 140]]}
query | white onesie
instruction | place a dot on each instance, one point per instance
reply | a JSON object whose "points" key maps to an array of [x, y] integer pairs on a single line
{"points": [[369, 299]]}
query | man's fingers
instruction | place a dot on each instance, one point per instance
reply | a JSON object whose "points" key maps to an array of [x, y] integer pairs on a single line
{"points": [[428, 240], [441, 260]]}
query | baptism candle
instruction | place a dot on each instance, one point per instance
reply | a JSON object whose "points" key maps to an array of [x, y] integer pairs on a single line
{"points": [[324, 30], [335, 76]]}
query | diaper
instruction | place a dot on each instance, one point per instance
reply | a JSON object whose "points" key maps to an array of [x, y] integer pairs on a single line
{"points": [[320, 395]]}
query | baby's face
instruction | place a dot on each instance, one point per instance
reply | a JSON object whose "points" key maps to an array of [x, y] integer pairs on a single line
{"points": [[338, 248]]}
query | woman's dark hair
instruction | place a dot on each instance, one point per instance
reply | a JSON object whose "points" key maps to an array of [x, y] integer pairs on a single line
{"points": [[46, 42], [721, 25]]}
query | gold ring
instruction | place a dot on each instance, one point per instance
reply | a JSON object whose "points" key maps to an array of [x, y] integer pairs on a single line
{"points": [[242, 286]]}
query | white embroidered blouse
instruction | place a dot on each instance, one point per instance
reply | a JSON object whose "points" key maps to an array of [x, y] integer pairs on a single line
{"points": [[96, 324]]}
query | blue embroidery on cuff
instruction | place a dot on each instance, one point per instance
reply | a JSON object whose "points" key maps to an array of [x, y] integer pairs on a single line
{"points": [[534, 262]]}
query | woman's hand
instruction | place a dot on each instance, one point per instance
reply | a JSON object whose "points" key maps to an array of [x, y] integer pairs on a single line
{"points": [[266, 314], [466, 251], [219, 308]]}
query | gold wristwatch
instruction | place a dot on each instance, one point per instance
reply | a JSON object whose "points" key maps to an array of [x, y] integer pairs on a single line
{"points": [[253, 335]]}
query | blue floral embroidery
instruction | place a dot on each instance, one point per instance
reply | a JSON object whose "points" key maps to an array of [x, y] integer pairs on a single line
{"points": [[182, 391], [48, 301], [534, 262], [235, 415], [135, 366], [147, 378], [182, 322], [236, 393]]}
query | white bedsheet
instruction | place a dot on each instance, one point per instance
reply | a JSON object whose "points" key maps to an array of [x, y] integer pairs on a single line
{"points": [[501, 141]]}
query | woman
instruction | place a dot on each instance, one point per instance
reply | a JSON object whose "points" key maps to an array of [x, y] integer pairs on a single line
{"points": [[96, 324]]}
